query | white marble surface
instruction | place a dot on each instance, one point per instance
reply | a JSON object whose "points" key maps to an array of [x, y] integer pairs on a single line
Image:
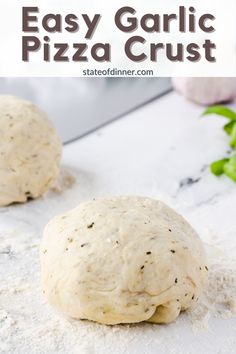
{"points": [[153, 151]]}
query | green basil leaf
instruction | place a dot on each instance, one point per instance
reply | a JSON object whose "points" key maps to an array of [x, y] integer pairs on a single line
{"points": [[230, 168], [220, 111], [233, 137], [228, 128], [217, 167]]}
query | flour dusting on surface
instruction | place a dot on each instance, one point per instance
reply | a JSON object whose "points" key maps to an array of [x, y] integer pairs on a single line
{"points": [[29, 325], [65, 180], [219, 296]]}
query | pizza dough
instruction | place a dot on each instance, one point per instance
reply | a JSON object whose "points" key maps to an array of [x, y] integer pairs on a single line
{"points": [[122, 260], [30, 151]]}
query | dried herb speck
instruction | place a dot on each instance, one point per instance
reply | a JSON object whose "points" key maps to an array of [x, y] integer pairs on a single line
{"points": [[84, 244], [206, 268], [149, 252], [176, 280], [193, 297], [173, 251], [142, 267], [90, 226]]}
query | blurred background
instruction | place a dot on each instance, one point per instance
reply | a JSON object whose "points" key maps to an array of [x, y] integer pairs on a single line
{"points": [[78, 106]]}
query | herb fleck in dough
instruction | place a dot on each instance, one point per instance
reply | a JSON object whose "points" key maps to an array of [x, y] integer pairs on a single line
{"points": [[122, 260], [30, 151]]}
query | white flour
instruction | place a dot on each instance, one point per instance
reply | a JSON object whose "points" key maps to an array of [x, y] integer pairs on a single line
{"points": [[219, 297], [66, 180]]}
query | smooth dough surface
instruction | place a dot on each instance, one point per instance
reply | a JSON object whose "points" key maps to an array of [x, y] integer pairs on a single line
{"points": [[30, 151], [122, 260]]}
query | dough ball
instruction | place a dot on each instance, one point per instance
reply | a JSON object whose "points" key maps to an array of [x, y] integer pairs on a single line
{"points": [[30, 151], [122, 260]]}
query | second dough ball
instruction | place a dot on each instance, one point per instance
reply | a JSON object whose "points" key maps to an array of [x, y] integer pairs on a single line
{"points": [[30, 151]]}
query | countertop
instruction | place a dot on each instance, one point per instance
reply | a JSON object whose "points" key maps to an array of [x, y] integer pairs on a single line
{"points": [[161, 150]]}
